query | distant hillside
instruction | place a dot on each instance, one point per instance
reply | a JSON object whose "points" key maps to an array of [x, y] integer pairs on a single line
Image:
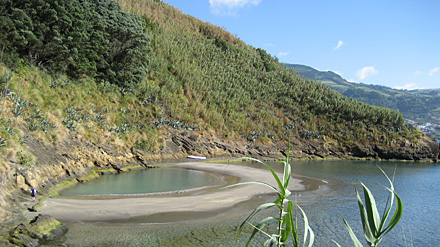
{"points": [[419, 104]]}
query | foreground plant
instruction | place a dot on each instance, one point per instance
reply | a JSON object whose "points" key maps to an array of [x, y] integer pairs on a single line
{"points": [[374, 226], [286, 224]]}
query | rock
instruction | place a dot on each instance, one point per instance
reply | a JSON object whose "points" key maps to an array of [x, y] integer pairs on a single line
{"points": [[46, 227], [21, 182], [23, 240], [32, 209], [5, 243], [41, 228]]}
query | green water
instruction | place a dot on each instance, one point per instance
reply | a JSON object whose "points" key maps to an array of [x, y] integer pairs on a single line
{"points": [[147, 182]]}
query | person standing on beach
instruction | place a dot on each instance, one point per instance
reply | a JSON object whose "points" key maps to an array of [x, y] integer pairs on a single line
{"points": [[33, 193]]}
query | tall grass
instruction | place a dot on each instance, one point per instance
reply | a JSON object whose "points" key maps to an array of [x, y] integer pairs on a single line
{"points": [[286, 220]]}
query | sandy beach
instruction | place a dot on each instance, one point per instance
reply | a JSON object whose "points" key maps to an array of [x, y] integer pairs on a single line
{"points": [[73, 209]]}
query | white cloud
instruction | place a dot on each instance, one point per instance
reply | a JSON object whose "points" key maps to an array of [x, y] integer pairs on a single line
{"points": [[418, 73], [282, 54], [340, 43], [229, 7], [366, 72], [233, 3], [433, 71], [409, 86]]}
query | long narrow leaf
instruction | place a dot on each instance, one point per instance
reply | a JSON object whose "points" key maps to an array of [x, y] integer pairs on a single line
{"points": [[286, 175], [373, 214], [251, 216], [253, 182], [336, 243], [397, 214], [287, 169], [256, 211], [270, 242], [365, 223], [290, 226], [287, 230], [259, 226], [307, 229], [274, 174], [390, 205], [353, 237]]}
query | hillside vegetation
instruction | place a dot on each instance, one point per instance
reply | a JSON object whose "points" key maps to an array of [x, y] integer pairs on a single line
{"points": [[132, 73], [420, 104]]}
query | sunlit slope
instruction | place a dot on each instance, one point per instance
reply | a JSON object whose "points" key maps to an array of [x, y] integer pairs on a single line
{"points": [[239, 89]]}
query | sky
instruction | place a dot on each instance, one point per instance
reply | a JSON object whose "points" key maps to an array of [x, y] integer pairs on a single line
{"points": [[395, 43]]}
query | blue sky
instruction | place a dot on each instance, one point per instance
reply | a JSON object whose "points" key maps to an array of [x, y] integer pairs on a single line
{"points": [[395, 43]]}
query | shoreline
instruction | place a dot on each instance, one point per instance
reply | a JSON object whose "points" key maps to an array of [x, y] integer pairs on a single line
{"points": [[125, 208]]}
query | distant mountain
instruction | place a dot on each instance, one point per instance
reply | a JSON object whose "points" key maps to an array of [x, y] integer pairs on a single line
{"points": [[420, 104]]}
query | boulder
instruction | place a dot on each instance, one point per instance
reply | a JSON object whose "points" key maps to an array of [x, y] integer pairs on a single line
{"points": [[41, 229], [45, 227]]}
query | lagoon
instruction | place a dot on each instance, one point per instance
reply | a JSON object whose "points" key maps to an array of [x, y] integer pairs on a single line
{"points": [[146, 182], [330, 194]]}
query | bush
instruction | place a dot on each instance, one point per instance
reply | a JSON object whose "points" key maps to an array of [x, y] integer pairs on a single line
{"points": [[92, 38]]}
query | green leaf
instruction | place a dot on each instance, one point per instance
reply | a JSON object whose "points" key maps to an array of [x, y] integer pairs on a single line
{"points": [[287, 169], [270, 242], [353, 237], [286, 175], [254, 182], [336, 243], [307, 229], [274, 174], [256, 211], [397, 215], [365, 223], [389, 206], [257, 228], [290, 227], [373, 214]]}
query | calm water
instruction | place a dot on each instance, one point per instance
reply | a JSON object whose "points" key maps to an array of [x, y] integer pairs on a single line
{"points": [[150, 181], [415, 183]]}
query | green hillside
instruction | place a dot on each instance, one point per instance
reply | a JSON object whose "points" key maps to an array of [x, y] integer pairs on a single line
{"points": [[135, 73], [420, 104]]}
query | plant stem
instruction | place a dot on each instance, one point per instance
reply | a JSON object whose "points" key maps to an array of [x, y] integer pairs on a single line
{"points": [[280, 223]]}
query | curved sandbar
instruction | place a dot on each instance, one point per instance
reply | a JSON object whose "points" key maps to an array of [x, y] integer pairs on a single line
{"points": [[125, 208]]}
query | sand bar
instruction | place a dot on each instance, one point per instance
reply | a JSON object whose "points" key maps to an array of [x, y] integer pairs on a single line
{"points": [[125, 208]]}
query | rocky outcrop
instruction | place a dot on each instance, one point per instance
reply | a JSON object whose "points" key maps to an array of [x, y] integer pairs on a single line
{"points": [[41, 229], [424, 150], [72, 161]]}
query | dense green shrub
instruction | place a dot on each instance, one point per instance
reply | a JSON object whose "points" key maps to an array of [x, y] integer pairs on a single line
{"points": [[76, 37]]}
